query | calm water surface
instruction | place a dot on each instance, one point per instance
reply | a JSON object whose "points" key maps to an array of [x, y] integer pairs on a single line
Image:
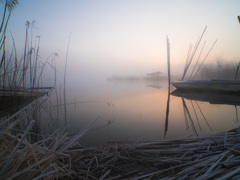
{"points": [[134, 110]]}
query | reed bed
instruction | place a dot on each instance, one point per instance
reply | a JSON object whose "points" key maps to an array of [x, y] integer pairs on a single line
{"points": [[24, 160], [24, 73], [21, 157], [207, 157]]}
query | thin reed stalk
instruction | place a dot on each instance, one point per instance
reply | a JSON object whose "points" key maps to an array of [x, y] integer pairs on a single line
{"points": [[64, 81], [193, 54], [25, 54], [205, 58], [197, 60], [36, 63]]}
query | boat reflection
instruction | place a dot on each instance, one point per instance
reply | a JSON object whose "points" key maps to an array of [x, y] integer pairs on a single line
{"points": [[192, 111], [211, 97], [189, 119]]}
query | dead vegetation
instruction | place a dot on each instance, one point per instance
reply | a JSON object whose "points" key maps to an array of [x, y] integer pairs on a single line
{"points": [[215, 156]]}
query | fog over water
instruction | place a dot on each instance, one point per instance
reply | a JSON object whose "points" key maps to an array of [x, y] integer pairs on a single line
{"points": [[135, 110], [127, 39]]}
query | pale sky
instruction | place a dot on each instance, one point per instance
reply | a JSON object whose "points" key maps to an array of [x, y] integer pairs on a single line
{"points": [[127, 37]]}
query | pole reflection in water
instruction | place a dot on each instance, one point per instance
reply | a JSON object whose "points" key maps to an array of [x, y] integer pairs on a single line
{"points": [[236, 112], [167, 115], [203, 115], [196, 116], [189, 117], [215, 98], [169, 84]]}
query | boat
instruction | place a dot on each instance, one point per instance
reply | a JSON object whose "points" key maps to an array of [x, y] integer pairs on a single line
{"points": [[222, 85]]}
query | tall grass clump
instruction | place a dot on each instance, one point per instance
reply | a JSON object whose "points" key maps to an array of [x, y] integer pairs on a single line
{"points": [[20, 76], [219, 70], [9, 5], [20, 73]]}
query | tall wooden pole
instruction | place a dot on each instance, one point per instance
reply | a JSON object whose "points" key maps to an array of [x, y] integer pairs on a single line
{"points": [[169, 83], [168, 61]]}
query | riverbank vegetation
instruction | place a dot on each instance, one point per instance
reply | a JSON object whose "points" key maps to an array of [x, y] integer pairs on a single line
{"points": [[20, 75], [24, 72], [222, 69]]}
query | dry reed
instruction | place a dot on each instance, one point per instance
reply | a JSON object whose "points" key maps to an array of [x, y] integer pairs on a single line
{"points": [[20, 158], [214, 156]]}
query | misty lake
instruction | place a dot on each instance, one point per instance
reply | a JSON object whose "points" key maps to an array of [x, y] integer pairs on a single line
{"points": [[134, 110]]}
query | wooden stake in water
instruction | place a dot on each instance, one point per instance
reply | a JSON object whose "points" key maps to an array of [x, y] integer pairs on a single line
{"points": [[237, 71], [169, 82], [168, 60]]}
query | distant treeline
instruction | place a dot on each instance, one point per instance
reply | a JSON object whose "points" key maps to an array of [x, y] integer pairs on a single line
{"points": [[220, 69]]}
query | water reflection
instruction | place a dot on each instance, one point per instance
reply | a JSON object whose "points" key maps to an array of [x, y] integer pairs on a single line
{"points": [[213, 97], [139, 110], [167, 114], [188, 118], [223, 98]]}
